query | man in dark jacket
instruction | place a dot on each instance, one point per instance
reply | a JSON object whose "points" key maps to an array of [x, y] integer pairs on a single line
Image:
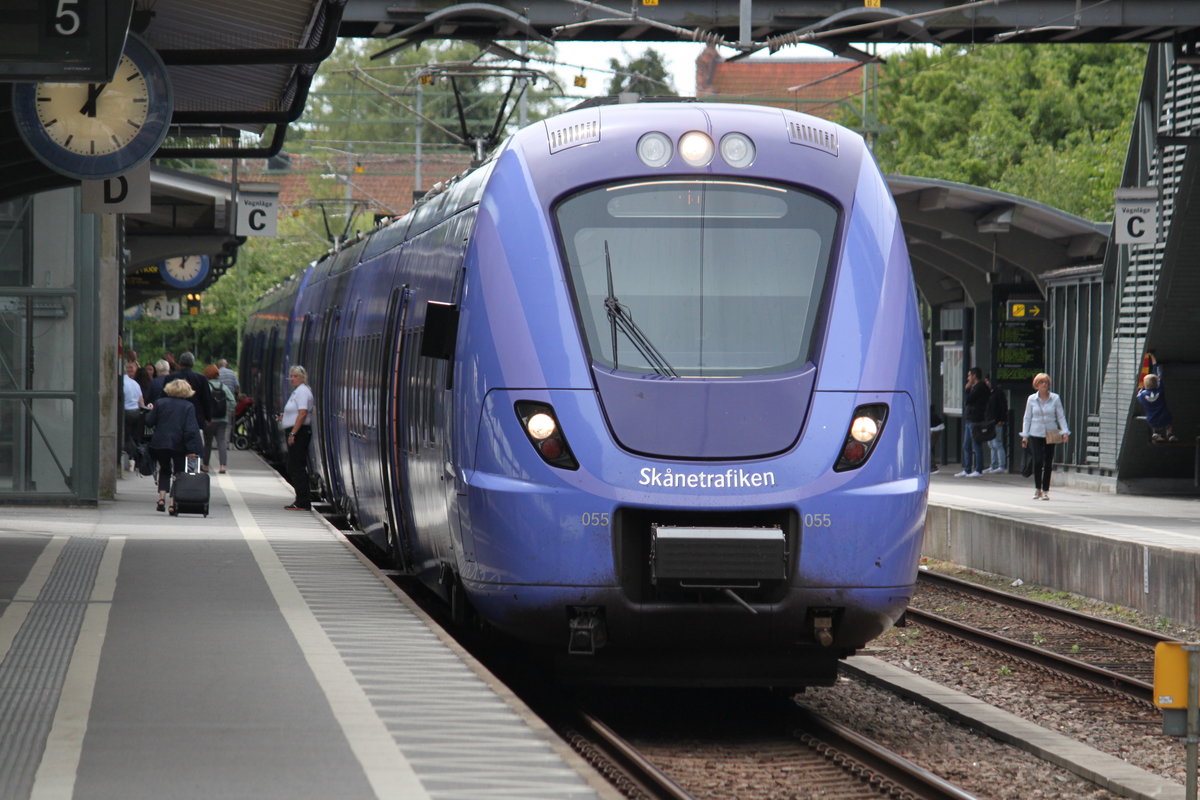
{"points": [[997, 412], [202, 399], [975, 397]]}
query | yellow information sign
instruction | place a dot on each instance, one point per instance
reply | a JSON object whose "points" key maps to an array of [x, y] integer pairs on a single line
{"points": [[1024, 310]]}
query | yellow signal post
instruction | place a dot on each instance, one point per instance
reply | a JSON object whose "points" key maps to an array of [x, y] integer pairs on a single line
{"points": [[1177, 693]]}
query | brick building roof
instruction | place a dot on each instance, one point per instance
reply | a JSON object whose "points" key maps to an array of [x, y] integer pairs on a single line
{"points": [[379, 184], [811, 85]]}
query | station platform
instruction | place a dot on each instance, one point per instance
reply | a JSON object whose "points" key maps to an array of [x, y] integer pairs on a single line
{"points": [[1138, 551], [249, 654]]}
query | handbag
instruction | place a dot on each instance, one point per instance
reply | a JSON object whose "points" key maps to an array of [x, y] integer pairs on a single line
{"points": [[983, 433], [1027, 465]]}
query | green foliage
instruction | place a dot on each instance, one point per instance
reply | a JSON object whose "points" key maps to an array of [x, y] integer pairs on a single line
{"points": [[645, 75], [1047, 122]]}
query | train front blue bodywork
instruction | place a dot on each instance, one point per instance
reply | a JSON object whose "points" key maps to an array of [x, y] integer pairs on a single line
{"points": [[541, 545]]}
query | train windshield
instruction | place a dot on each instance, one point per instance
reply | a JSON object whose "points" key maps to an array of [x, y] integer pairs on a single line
{"points": [[697, 278]]}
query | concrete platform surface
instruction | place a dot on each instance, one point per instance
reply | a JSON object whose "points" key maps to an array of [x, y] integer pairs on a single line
{"points": [[251, 654]]}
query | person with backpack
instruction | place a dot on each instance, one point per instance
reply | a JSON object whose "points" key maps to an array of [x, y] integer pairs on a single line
{"points": [[218, 428]]}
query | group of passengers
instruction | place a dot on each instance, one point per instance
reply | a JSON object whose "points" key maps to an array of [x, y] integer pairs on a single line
{"points": [[985, 411], [1043, 426], [189, 411]]}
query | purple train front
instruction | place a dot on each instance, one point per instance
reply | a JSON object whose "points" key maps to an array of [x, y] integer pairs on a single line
{"points": [[647, 390]]}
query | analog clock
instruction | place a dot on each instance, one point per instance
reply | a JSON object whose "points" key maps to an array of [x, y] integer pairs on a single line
{"points": [[184, 272], [93, 131]]}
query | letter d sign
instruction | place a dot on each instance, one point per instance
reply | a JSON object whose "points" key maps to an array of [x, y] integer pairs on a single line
{"points": [[128, 193]]}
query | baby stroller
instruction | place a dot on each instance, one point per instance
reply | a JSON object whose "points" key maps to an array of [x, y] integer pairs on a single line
{"points": [[239, 437]]}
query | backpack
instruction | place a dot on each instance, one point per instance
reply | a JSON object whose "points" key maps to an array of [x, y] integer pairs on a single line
{"points": [[220, 408]]}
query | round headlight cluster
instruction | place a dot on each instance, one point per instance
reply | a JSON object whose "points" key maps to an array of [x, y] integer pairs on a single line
{"points": [[696, 148], [737, 150], [654, 149]]}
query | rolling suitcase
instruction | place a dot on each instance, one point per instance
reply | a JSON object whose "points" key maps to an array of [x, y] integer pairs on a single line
{"points": [[190, 490]]}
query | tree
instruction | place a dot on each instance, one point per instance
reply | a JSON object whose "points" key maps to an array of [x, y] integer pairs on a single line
{"points": [[1048, 122], [645, 75]]}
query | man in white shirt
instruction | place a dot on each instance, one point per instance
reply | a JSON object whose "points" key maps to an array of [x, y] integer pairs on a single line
{"points": [[133, 403], [297, 425]]}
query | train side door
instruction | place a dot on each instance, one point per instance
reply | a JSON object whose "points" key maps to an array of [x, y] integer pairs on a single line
{"points": [[328, 411], [391, 439], [351, 382]]}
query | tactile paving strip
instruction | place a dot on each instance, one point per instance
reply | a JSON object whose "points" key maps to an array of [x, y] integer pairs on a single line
{"points": [[32, 673], [462, 740]]}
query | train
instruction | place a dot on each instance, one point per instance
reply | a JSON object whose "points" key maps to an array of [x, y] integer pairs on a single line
{"points": [[644, 392]]}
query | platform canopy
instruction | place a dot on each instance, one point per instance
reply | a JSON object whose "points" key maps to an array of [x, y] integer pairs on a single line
{"points": [[240, 71], [963, 239]]}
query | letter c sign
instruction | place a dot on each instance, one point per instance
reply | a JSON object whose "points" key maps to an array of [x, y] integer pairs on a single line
{"points": [[257, 214]]}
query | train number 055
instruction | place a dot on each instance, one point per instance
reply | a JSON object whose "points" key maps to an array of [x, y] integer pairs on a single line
{"points": [[591, 519], [817, 521]]}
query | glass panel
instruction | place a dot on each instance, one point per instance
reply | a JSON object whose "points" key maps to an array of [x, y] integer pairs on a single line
{"points": [[37, 347], [14, 240], [36, 445], [711, 278], [53, 256]]}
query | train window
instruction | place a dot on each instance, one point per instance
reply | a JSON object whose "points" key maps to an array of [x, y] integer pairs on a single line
{"points": [[667, 199], [697, 278]]}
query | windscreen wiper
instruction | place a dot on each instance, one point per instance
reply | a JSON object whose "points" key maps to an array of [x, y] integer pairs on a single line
{"points": [[620, 319]]}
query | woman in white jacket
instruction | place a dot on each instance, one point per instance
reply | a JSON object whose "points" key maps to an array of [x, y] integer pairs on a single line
{"points": [[1044, 426]]}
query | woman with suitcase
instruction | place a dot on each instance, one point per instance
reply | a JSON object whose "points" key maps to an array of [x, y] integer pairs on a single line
{"points": [[176, 434]]}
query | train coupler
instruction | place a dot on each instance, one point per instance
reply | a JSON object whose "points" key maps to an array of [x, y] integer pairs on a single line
{"points": [[588, 632], [823, 630]]}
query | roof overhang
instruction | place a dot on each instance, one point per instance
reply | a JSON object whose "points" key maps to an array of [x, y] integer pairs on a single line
{"points": [[963, 239], [189, 215]]}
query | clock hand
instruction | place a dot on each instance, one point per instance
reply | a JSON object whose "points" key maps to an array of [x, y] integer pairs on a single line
{"points": [[89, 107]]}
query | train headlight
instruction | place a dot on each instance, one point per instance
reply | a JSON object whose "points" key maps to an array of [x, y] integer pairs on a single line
{"points": [[545, 434], [861, 437], [540, 426], [864, 429], [654, 149], [696, 148], [737, 150]]}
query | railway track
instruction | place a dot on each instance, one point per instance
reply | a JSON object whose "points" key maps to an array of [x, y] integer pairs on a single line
{"points": [[822, 757], [1106, 653]]}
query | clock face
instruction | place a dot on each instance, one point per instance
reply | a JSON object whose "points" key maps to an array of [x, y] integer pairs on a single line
{"points": [[93, 131], [91, 119], [184, 272]]}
